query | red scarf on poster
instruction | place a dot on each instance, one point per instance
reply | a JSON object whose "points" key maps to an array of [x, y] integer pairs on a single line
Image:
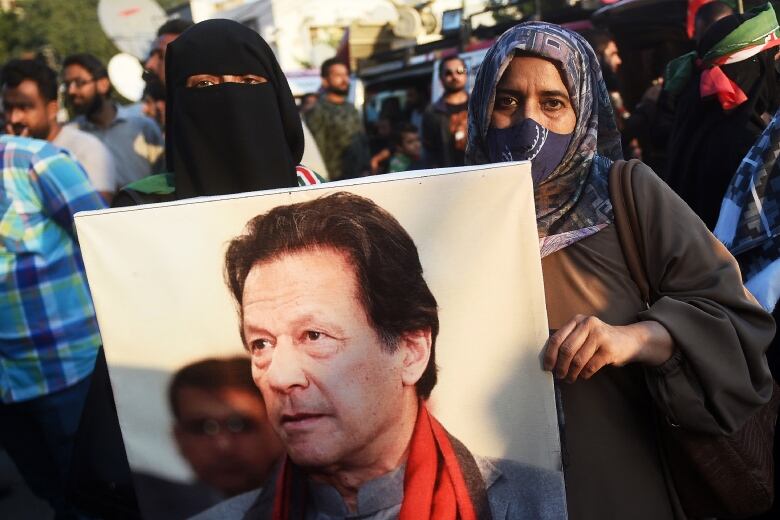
{"points": [[715, 82], [434, 484], [283, 496]]}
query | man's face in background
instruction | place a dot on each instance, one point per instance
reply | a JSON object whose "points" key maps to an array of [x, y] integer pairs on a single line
{"points": [[155, 63], [27, 113], [82, 91], [226, 437], [411, 145], [454, 75], [611, 57], [337, 79]]}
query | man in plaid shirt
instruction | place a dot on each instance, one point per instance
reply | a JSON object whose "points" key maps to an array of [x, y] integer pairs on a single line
{"points": [[49, 337]]}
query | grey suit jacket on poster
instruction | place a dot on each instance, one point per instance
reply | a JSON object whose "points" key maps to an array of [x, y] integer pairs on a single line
{"points": [[515, 492]]}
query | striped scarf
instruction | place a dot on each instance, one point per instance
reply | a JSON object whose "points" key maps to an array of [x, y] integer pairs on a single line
{"points": [[572, 202], [749, 220], [442, 480]]}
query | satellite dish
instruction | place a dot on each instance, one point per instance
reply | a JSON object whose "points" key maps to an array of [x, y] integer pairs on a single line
{"points": [[429, 21], [125, 73], [409, 24], [131, 24]]}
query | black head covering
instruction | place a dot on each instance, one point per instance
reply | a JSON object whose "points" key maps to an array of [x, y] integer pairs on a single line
{"points": [[707, 143], [228, 138]]}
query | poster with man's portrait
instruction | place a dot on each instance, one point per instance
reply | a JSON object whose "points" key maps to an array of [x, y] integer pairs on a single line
{"points": [[352, 330]]}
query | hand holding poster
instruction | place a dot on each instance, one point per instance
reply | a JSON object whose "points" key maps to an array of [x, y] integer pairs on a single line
{"points": [[346, 296]]}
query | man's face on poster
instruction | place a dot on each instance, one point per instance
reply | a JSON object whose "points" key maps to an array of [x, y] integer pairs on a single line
{"points": [[331, 386]]}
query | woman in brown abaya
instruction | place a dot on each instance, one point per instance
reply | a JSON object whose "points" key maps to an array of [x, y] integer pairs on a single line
{"points": [[695, 356]]}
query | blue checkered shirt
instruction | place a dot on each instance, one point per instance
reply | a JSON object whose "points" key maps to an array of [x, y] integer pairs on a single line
{"points": [[49, 337]]}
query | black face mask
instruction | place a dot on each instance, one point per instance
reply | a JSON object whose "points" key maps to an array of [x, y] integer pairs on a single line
{"points": [[230, 137], [528, 141]]}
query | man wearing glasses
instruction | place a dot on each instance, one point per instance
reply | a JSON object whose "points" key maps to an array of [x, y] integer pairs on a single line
{"points": [[134, 140], [221, 429], [445, 122]]}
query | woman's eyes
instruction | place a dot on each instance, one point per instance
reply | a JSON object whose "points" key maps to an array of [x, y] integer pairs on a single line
{"points": [[250, 79], [552, 104], [509, 102], [202, 81], [210, 81], [506, 102]]}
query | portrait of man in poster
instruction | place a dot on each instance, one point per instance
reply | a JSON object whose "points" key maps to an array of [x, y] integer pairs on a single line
{"points": [[345, 338], [341, 328]]}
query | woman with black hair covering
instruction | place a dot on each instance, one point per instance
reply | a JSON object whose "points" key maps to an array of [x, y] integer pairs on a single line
{"points": [[231, 126], [231, 121], [722, 108]]}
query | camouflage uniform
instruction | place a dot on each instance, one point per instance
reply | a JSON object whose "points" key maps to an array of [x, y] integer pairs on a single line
{"points": [[336, 128]]}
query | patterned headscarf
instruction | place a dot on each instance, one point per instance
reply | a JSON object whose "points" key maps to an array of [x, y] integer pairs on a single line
{"points": [[573, 201], [749, 221]]}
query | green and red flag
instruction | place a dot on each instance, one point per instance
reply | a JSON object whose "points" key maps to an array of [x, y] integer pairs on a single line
{"points": [[759, 32]]}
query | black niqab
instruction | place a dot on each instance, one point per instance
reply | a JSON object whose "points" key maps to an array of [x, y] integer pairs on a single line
{"points": [[707, 143], [230, 137]]}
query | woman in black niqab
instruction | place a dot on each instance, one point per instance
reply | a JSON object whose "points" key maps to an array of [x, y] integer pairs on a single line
{"points": [[228, 137], [220, 139], [707, 143]]}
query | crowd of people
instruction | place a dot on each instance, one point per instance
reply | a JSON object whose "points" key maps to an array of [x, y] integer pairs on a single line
{"points": [[695, 349]]}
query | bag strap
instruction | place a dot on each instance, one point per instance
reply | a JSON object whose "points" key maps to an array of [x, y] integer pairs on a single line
{"points": [[627, 222]]}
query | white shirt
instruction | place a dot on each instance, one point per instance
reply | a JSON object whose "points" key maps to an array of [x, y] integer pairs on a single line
{"points": [[92, 154], [135, 143]]}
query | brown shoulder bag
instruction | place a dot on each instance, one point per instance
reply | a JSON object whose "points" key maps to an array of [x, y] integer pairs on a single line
{"points": [[714, 475]]}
